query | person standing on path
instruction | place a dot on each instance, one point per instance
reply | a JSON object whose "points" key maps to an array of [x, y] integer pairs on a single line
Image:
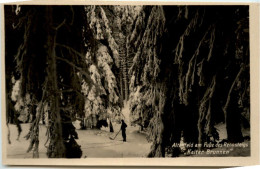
{"points": [[123, 128]]}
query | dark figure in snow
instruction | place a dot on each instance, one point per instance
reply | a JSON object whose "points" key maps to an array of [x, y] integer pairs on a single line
{"points": [[111, 127], [123, 128]]}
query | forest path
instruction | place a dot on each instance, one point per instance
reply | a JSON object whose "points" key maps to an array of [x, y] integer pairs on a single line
{"points": [[100, 145], [94, 143]]}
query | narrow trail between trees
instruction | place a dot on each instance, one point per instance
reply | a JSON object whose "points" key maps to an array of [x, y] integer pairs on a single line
{"points": [[94, 143]]}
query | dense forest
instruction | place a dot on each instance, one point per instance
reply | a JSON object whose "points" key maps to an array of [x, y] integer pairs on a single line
{"points": [[181, 69]]}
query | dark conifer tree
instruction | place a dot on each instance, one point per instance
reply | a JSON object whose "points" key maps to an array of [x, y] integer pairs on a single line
{"points": [[195, 73], [51, 68]]}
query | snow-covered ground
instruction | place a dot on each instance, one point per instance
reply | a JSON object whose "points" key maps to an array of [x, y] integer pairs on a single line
{"points": [[94, 143], [98, 143]]}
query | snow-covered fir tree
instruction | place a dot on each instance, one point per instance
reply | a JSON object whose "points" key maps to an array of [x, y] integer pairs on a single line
{"points": [[103, 99], [183, 82]]}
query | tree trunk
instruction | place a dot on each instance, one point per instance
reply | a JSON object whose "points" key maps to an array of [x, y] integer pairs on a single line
{"points": [[56, 147], [121, 82], [123, 67], [159, 122], [125, 77], [233, 113], [233, 125], [158, 147]]}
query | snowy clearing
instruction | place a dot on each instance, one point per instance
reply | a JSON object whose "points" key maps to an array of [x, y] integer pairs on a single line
{"points": [[94, 143]]}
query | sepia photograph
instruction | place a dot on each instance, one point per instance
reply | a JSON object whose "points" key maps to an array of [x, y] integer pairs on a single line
{"points": [[127, 81]]}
